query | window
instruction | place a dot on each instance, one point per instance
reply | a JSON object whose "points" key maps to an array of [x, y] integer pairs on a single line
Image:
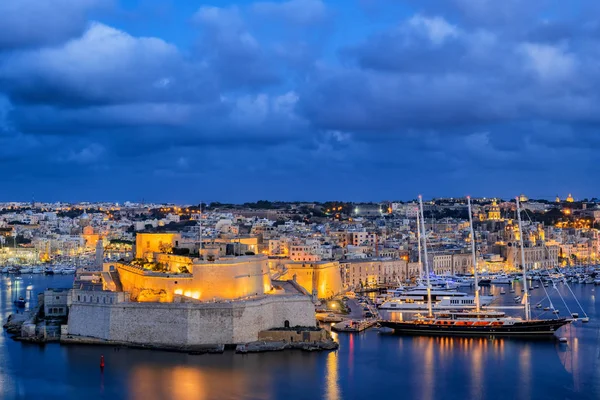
{"points": [[78, 298]]}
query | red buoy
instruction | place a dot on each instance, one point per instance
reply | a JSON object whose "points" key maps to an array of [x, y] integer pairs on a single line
{"points": [[101, 362]]}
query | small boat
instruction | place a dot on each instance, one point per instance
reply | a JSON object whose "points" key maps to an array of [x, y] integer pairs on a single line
{"points": [[48, 271], [502, 279], [562, 339], [537, 286], [546, 308], [512, 290], [555, 312], [585, 319], [68, 271], [20, 302], [37, 270], [502, 291], [26, 270], [575, 315], [538, 306]]}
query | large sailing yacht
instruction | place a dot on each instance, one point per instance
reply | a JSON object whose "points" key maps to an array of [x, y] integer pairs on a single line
{"points": [[478, 322]]}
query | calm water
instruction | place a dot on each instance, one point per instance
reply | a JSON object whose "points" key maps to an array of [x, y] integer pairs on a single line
{"points": [[368, 365]]}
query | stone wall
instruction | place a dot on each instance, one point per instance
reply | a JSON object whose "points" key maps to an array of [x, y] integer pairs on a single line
{"points": [[188, 324], [227, 278], [323, 277], [293, 336]]}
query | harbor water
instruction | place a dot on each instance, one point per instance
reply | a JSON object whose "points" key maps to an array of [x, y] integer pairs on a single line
{"points": [[367, 365]]}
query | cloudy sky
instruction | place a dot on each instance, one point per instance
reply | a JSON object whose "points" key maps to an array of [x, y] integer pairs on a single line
{"points": [[183, 101]]}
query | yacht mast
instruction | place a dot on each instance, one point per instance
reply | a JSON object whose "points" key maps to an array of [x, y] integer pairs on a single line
{"points": [[477, 304], [200, 232], [419, 244], [525, 290], [429, 307]]}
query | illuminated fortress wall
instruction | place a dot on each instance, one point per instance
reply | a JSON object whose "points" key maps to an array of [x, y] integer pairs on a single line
{"points": [[227, 278], [324, 277], [232, 278]]}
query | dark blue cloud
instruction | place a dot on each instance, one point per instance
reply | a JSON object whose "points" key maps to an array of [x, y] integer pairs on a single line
{"points": [[32, 23], [300, 99]]}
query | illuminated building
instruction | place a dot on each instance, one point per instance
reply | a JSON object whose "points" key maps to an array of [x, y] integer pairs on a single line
{"points": [[373, 272], [321, 279], [167, 299], [569, 198], [90, 239], [494, 212], [148, 243]]}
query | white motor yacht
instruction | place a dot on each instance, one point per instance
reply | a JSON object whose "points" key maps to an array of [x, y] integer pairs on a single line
{"points": [[502, 279], [416, 300]]}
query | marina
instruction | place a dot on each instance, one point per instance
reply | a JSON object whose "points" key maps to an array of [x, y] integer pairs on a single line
{"points": [[543, 369]]}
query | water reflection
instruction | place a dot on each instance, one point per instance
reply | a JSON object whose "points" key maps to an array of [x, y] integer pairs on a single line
{"points": [[525, 371], [332, 387], [365, 365], [476, 371], [195, 382], [428, 372]]}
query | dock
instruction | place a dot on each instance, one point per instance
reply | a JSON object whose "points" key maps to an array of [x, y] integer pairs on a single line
{"points": [[353, 325]]}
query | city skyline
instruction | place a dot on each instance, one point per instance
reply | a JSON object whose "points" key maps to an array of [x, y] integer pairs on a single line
{"points": [[297, 100]]}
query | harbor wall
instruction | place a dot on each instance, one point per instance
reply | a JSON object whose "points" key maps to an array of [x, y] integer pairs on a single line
{"points": [[227, 278], [324, 277], [188, 324]]}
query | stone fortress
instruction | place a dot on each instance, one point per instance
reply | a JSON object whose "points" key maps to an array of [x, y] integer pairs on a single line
{"points": [[170, 300]]}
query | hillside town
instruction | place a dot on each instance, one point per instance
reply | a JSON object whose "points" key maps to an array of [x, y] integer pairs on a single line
{"points": [[347, 246]]}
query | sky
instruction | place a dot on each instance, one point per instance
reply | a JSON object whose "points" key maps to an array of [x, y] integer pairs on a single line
{"points": [[298, 100]]}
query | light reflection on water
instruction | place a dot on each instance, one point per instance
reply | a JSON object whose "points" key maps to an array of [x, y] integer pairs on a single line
{"points": [[367, 365], [332, 388]]}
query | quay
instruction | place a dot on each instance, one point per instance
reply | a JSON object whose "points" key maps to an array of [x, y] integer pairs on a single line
{"points": [[353, 326], [363, 315]]}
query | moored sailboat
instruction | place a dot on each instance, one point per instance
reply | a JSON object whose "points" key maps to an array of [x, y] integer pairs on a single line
{"points": [[478, 322]]}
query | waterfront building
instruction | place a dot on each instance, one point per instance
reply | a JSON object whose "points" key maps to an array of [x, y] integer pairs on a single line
{"points": [[56, 303], [536, 257], [370, 273], [174, 300], [322, 279]]}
